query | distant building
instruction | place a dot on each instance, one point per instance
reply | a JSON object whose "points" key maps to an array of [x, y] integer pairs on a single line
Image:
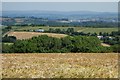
{"points": [[100, 37], [110, 38], [39, 30]]}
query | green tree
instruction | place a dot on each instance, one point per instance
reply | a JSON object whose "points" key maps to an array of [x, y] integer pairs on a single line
{"points": [[70, 31]]}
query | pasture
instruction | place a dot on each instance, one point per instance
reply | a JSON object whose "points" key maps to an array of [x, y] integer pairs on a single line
{"points": [[98, 30], [52, 65]]}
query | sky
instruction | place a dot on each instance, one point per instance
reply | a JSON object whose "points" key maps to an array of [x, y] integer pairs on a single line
{"points": [[60, 0], [61, 6]]}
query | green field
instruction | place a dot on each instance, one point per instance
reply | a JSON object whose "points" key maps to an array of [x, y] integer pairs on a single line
{"points": [[77, 29], [97, 30]]}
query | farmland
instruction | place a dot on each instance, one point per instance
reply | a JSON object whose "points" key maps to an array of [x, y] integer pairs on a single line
{"points": [[27, 35], [57, 40], [52, 65], [45, 28], [97, 30], [77, 29]]}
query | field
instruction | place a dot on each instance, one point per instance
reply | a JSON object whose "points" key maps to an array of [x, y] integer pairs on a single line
{"points": [[52, 65], [27, 35], [77, 29], [97, 30]]}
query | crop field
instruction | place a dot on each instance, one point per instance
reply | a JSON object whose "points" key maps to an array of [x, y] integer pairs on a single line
{"points": [[60, 65], [27, 35], [77, 29]]}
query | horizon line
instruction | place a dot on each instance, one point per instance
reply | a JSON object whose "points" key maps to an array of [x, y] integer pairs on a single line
{"points": [[65, 11]]}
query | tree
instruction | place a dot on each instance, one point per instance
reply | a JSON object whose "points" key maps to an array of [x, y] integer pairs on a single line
{"points": [[100, 33], [51, 30], [9, 39], [58, 30], [116, 48], [9, 28], [94, 34], [67, 44], [70, 31]]}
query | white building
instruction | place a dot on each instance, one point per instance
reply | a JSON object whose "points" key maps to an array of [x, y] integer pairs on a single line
{"points": [[39, 30], [100, 37]]}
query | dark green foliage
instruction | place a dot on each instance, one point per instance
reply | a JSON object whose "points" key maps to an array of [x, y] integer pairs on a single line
{"points": [[58, 30], [116, 48], [84, 43], [6, 29], [7, 48], [112, 39], [102, 49], [67, 44], [94, 34], [9, 27], [70, 31], [9, 39], [51, 30], [115, 33], [45, 44]]}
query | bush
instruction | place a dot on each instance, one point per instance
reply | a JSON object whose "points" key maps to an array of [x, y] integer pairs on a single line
{"points": [[116, 48]]}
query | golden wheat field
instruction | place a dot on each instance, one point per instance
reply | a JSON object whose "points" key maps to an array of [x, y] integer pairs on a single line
{"points": [[60, 65], [27, 35]]}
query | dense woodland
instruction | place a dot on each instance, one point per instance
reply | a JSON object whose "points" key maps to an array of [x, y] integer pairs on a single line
{"points": [[45, 44]]}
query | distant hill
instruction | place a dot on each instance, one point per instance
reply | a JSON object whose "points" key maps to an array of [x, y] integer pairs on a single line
{"points": [[60, 18], [59, 14]]}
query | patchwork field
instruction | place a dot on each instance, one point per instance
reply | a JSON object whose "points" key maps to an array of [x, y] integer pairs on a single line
{"points": [[27, 35], [52, 65]]}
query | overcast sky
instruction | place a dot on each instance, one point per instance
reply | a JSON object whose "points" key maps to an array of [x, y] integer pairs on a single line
{"points": [[61, 6]]}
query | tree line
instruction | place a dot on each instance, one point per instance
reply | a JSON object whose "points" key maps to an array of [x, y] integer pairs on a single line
{"points": [[70, 31]]}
